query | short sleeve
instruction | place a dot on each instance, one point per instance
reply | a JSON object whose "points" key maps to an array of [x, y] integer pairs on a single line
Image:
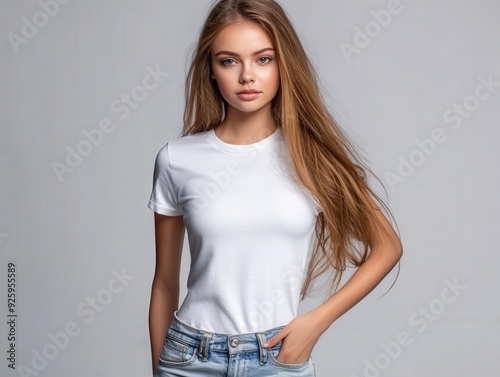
{"points": [[164, 196]]}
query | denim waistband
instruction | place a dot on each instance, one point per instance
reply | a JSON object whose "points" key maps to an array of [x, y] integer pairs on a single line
{"points": [[230, 343]]}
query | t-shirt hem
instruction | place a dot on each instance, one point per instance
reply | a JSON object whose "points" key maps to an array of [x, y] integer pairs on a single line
{"points": [[164, 210]]}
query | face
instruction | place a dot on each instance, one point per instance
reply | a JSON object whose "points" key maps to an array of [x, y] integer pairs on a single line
{"points": [[243, 58]]}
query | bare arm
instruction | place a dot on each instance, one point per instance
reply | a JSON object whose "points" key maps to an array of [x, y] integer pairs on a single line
{"points": [[302, 333], [169, 239], [384, 255]]}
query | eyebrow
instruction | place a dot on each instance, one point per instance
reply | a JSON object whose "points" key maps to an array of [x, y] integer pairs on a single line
{"points": [[235, 54]]}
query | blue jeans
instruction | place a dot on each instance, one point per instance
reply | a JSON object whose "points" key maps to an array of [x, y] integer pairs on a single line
{"points": [[192, 352]]}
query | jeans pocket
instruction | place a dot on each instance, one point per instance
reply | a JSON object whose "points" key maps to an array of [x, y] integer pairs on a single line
{"points": [[176, 351], [273, 354]]}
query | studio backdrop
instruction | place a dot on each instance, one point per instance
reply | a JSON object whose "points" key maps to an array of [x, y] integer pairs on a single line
{"points": [[91, 90]]}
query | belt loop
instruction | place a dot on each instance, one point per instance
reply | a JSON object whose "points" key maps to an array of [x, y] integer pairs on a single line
{"points": [[263, 352], [204, 343]]}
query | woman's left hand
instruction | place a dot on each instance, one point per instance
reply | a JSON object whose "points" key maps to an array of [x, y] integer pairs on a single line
{"points": [[299, 338]]}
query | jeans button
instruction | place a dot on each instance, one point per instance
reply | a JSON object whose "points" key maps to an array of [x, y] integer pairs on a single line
{"points": [[235, 342]]}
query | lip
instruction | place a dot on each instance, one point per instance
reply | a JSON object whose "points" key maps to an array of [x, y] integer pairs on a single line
{"points": [[248, 91], [248, 94]]}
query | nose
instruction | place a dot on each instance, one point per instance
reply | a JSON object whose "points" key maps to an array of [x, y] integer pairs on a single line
{"points": [[246, 75]]}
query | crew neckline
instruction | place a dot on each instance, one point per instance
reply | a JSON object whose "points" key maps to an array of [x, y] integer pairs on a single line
{"points": [[241, 148]]}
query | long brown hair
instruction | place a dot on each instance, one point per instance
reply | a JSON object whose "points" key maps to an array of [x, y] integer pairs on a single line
{"points": [[325, 161]]}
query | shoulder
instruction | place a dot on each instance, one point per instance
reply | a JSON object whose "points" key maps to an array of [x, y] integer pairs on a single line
{"points": [[188, 141], [181, 148]]}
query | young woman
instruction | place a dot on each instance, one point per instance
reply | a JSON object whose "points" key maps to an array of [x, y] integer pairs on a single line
{"points": [[272, 194]]}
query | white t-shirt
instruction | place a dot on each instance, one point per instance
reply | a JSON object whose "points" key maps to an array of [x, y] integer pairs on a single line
{"points": [[251, 229]]}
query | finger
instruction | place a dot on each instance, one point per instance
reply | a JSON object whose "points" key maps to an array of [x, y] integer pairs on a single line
{"points": [[273, 340]]}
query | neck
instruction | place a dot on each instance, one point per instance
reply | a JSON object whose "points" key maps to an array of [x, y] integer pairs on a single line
{"points": [[240, 127]]}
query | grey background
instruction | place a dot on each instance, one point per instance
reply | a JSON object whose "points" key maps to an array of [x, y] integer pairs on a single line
{"points": [[67, 236]]}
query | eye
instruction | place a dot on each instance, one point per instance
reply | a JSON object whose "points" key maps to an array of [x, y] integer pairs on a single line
{"points": [[264, 57], [223, 62]]}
